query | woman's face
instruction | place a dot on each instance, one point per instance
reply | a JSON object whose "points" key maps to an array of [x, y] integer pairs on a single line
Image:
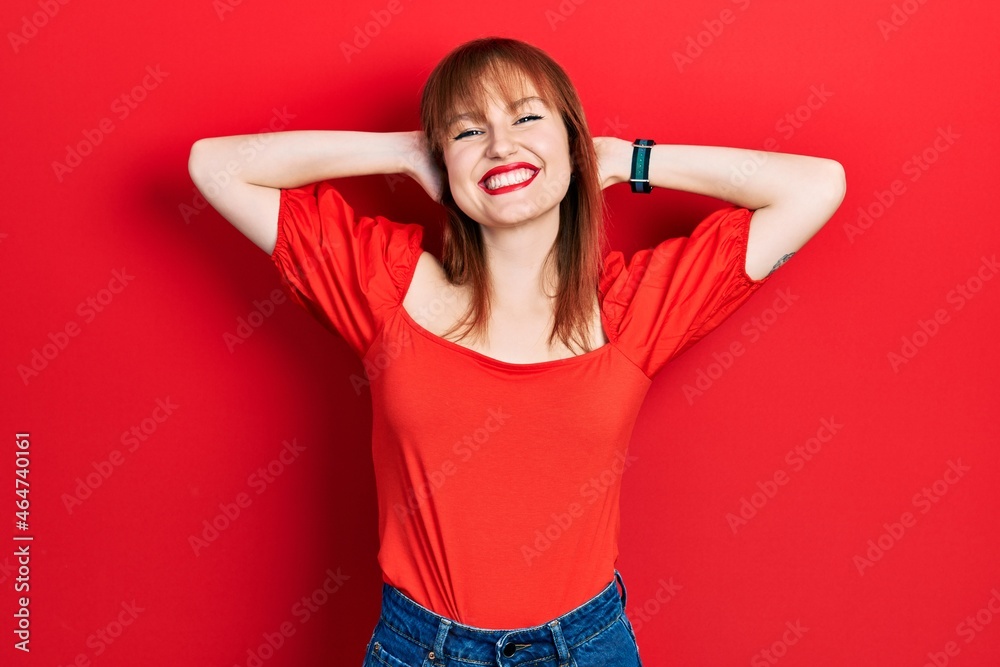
{"points": [[530, 137]]}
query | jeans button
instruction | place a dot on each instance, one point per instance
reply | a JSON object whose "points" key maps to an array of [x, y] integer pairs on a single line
{"points": [[509, 649]]}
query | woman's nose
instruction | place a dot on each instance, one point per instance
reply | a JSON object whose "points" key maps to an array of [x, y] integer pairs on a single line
{"points": [[500, 144]]}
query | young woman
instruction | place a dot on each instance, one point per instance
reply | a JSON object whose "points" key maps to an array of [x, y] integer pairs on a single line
{"points": [[506, 377]]}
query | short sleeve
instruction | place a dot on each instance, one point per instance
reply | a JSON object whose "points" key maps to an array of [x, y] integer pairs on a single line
{"points": [[348, 272], [670, 296]]}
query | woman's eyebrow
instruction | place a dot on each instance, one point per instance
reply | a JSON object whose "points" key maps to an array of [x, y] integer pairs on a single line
{"points": [[511, 108], [524, 100], [470, 115]]}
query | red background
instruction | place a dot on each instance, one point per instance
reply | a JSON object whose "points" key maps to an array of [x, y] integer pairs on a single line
{"points": [[894, 75]]}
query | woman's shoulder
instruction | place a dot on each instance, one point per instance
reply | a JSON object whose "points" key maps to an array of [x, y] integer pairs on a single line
{"points": [[430, 299]]}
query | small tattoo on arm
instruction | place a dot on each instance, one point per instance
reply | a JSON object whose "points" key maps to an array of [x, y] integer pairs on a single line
{"points": [[780, 262]]}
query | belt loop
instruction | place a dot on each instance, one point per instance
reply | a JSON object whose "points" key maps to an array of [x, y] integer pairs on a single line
{"points": [[560, 642], [437, 654], [618, 576]]}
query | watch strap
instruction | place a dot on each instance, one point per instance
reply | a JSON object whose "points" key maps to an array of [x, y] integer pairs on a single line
{"points": [[639, 176]]}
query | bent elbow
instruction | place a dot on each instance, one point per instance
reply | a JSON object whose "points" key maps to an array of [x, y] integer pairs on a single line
{"points": [[195, 158], [835, 183]]}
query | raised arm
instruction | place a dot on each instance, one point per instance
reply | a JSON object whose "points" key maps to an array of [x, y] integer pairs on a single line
{"points": [[792, 195], [241, 175]]}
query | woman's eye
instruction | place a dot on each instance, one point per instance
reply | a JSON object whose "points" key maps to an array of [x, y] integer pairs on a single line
{"points": [[469, 133]]}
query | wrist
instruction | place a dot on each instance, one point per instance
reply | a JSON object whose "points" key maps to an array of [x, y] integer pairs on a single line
{"points": [[622, 160], [614, 158], [404, 150]]}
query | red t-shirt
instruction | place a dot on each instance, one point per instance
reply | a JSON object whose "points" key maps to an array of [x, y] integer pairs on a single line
{"points": [[498, 483]]}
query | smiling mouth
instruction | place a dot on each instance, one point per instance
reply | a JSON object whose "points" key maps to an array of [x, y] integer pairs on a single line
{"points": [[509, 180]]}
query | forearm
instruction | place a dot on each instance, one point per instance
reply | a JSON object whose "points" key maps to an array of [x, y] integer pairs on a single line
{"points": [[748, 178], [293, 158]]}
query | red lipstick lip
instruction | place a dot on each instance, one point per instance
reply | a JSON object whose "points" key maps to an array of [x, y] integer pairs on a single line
{"points": [[508, 188], [506, 167]]}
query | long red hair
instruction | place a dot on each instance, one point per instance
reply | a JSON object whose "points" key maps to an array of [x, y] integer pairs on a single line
{"points": [[459, 82]]}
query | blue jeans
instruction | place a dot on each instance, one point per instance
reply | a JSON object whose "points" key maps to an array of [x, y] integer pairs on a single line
{"points": [[597, 633]]}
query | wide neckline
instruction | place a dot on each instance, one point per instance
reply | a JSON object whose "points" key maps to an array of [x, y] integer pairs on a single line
{"points": [[507, 365]]}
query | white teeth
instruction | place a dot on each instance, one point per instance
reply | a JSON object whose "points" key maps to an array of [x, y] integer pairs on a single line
{"points": [[508, 178]]}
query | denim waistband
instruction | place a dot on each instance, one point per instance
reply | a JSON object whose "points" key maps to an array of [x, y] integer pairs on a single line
{"points": [[443, 637]]}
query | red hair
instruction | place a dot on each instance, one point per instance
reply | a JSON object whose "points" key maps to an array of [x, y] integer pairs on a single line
{"points": [[459, 81]]}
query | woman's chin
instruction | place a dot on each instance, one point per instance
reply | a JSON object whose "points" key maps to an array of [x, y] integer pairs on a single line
{"points": [[513, 215]]}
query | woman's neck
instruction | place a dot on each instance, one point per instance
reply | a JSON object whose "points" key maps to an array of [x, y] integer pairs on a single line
{"points": [[516, 259]]}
